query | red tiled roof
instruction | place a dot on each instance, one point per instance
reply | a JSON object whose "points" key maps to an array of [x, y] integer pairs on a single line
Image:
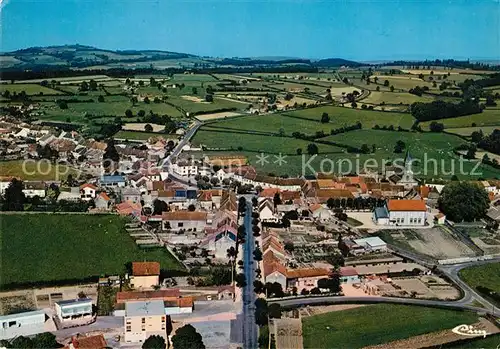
{"points": [[271, 267], [104, 196], [269, 192], [92, 342], [145, 268], [185, 216], [122, 297], [406, 205], [307, 272], [348, 271], [88, 185]]}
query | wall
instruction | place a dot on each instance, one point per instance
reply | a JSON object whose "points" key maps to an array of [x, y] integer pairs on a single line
{"points": [[406, 215], [144, 281]]}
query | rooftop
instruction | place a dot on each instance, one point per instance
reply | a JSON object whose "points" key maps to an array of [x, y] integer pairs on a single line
{"points": [[372, 241], [145, 268], [406, 205], [148, 308], [74, 301]]}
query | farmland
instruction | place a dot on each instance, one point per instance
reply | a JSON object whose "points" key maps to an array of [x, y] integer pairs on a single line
{"points": [[50, 248], [487, 275], [360, 327], [36, 170], [489, 117], [137, 135], [29, 89]]}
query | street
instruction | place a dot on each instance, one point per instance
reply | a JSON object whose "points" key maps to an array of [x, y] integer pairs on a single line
{"points": [[249, 327]]}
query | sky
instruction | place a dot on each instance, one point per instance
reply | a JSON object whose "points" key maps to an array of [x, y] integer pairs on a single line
{"points": [[361, 30]]}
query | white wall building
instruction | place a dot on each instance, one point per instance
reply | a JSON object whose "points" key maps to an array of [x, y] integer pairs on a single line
{"points": [[407, 212]]}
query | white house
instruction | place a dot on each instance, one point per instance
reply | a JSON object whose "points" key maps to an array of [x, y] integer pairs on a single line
{"points": [[4, 184], [407, 212], [349, 275], [88, 191], [112, 181], [22, 324], [381, 215], [321, 213], [220, 241], [266, 211], [372, 244], [73, 309], [102, 201], [185, 168], [184, 220], [34, 188]]}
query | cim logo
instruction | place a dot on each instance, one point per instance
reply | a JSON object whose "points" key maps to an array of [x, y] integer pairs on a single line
{"points": [[469, 330]]}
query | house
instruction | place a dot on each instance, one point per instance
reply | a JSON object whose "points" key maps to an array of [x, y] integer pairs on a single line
{"points": [[407, 212], [320, 213], [128, 208], [185, 168], [348, 275], [381, 215], [306, 278], [145, 275], [275, 272], [220, 241], [102, 201], [34, 188], [131, 194], [112, 181], [440, 218], [4, 183], [266, 211], [22, 324], [174, 303], [372, 244], [184, 220], [73, 309], [144, 319], [88, 191], [89, 342]]}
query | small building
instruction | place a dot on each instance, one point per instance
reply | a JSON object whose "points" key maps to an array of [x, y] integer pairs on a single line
{"points": [[381, 215], [440, 218], [112, 181], [349, 275], [321, 213], [372, 244], [88, 191], [184, 220], [34, 188], [131, 194], [306, 278], [102, 201], [144, 319], [73, 309], [145, 275], [22, 324], [407, 212]]}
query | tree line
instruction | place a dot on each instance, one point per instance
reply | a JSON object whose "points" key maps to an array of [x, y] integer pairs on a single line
{"points": [[442, 110]]}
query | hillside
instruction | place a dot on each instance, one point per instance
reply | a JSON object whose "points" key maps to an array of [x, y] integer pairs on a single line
{"points": [[88, 57]]}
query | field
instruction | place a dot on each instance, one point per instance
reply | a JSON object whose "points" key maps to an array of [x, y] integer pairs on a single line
{"points": [[489, 117], [467, 131], [136, 135], [47, 247], [487, 275], [33, 170], [360, 327], [137, 126], [395, 98], [435, 242], [30, 89]]}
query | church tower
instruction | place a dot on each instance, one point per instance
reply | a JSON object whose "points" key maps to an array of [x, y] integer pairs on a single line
{"points": [[407, 179]]}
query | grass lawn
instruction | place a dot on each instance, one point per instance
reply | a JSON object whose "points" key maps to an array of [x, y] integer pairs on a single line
{"points": [[138, 135], [490, 342], [487, 275], [340, 116], [489, 117], [360, 327], [46, 247], [467, 131], [30, 89], [36, 170], [195, 107]]}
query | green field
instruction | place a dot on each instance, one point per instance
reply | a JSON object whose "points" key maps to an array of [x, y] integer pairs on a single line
{"points": [[36, 170], [51, 247], [137, 135], [340, 116], [467, 131], [487, 275], [490, 342], [489, 117], [395, 98], [360, 327], [30, 89]]}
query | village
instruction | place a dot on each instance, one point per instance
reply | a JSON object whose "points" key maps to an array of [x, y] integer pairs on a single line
{"points": [[362, 236]]}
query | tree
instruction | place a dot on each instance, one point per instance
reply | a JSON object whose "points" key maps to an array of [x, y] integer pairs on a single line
{"points": [[274, 311], [312, 149], [209, 97], [141, 113], [365, 149], [436, 126], [22, 342], [257, 254], [399, 147], [299, 151], [45, 340], [463, 201], [100, 99], [378, 88], [276, 199], [386, 83], [14, 198], [159, 206], [62, 104], [354, 105], [187, 337], [325, 118], [194, 90], [289, 246], [146, 100], [392, 88], [231, 253], [191, 208], [111, 155], [240, 280], [148, 128], [154, 342], [128, 113]]}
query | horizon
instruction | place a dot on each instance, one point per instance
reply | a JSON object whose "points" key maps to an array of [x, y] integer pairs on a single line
{"points": [[358, 31]]}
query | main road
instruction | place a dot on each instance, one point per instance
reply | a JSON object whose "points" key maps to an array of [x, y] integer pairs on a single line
{"points": [[250, 336]]}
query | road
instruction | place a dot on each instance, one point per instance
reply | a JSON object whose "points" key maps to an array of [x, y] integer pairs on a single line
{"points": [[176, 151], [250, 336]]}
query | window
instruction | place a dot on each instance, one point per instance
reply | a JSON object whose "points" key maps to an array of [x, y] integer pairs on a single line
{"points": [[180, 224], [129, 328], [420, 220], [143, 320]]}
